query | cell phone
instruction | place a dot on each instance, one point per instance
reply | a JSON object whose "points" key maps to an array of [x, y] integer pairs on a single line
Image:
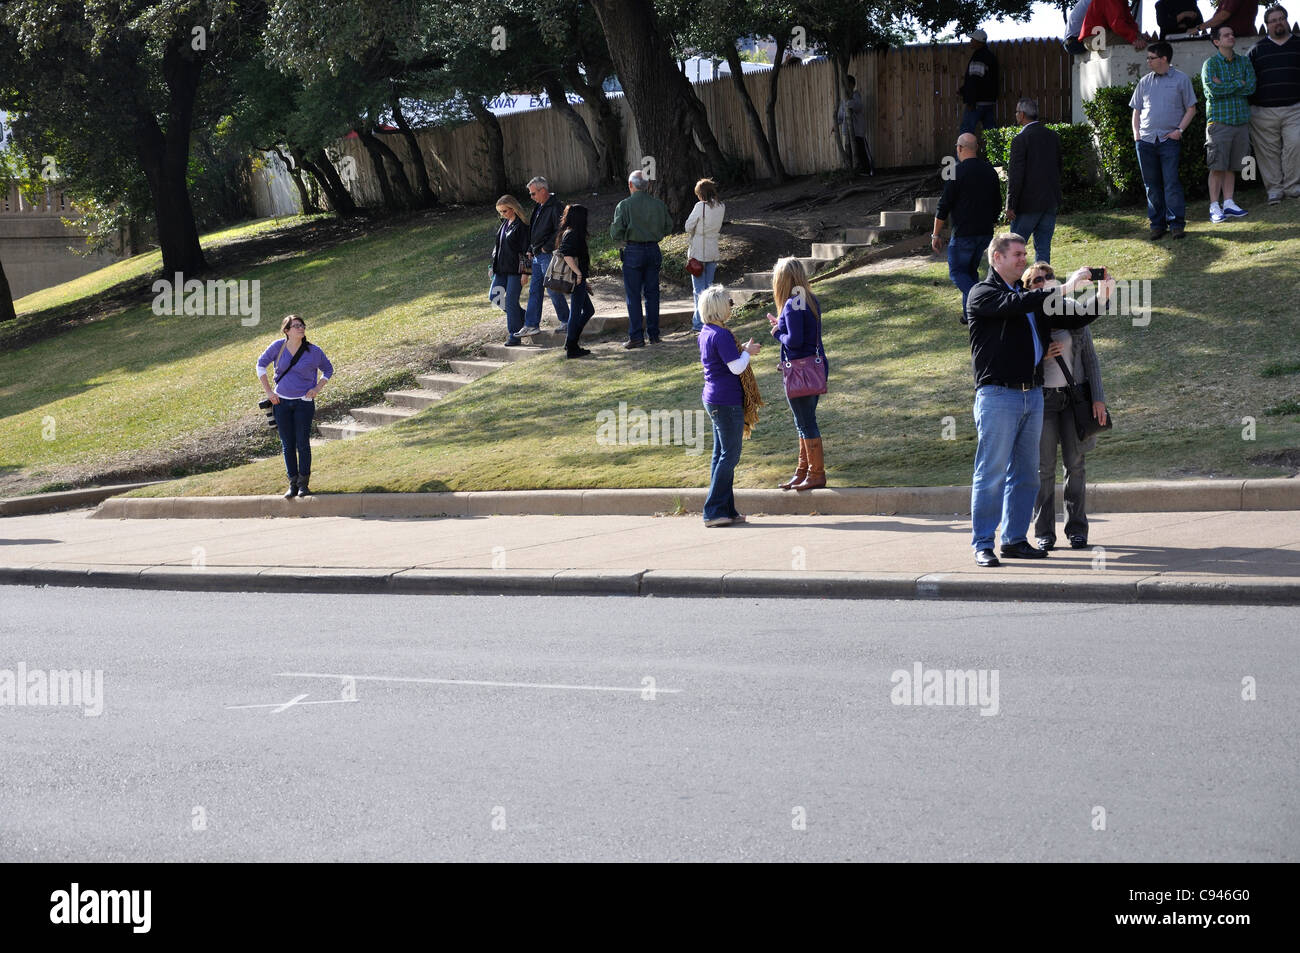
{"points": [[1097, 274]]}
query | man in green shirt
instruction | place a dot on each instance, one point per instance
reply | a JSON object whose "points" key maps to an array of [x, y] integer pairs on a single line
{"points": [[1227, 80], [641, 221]]}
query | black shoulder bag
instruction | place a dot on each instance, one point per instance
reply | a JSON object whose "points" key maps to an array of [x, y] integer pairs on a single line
{"points": [[279, 375], [1085, 424]]}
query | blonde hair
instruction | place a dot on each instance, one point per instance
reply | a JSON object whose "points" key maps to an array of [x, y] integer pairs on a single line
{"points": [[715, 305], [1032, 271], [788, 274], [512, 203]]}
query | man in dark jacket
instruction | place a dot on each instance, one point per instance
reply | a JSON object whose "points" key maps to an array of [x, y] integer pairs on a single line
{"points": [[973, 200], [544, 228], [979, 90], [1010, 334], [1034, 180]]}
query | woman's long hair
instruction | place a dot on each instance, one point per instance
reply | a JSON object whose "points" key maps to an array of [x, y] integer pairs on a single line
{"points": [[788, 274], [284, 328], [512, 203], [575, 217]]}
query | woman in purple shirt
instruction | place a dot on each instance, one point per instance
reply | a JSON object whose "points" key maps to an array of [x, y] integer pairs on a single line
{"points": [[296, 364], [724, 399], [799, 329]]}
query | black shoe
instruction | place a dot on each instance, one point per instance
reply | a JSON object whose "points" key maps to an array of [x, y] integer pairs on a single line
{"points": [[290, 493], [1021, 550], [1046, 543], [1157, 234], [629, 345], [986, 558], [513, 342], [1177, 231], [577, 352], [654, 340], [303, 488], [1078, 542]]}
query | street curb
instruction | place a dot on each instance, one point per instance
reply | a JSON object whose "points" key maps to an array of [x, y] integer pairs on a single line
{"points": [[984, 586], [65, 499], [1168, 496]]}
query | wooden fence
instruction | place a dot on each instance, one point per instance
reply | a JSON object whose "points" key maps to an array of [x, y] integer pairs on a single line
{"points": [[910, 95]]}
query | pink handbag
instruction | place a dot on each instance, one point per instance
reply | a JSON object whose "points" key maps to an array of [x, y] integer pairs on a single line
{"points": [[806, 376]]}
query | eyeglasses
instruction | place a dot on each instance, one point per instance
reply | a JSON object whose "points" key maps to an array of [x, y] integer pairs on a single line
{"points": [[297, 324], [1152, 56], [1039, 279]]}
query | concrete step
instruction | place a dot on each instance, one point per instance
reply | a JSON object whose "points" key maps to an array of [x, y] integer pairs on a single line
{"points": [[870, 236], [438, 385], [499, 352], [812, 263], [378, 416], [344, 431], [927, 204], [414, 399], [899, 220], [829, 251], [757, 281], [476, 369]]}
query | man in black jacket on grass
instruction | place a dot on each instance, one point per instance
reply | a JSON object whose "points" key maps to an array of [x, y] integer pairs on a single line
{"points": [[1034, 180], [1010, 335], [972, 198]]}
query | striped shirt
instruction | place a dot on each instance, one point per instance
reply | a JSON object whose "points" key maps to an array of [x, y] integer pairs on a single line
{"points": [[1277, 72], [1227, 83]]}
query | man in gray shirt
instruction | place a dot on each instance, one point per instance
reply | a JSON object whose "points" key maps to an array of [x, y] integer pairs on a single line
{"points": [[1164, 105]]}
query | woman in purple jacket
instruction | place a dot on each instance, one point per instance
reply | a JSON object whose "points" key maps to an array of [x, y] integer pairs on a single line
{"points": [[296, 364], [799, 329]]}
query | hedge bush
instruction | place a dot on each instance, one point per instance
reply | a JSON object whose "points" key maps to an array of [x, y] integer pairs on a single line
{"points": [[1080, 190]]}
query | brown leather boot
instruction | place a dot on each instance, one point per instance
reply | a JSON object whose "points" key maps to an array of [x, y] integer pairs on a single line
{"points": [[816, 466], [801, 470]]}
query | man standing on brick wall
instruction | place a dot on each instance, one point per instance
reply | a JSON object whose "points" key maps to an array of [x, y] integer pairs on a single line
{"points": [[1164, 105], [1227, 80], [1275, 107]]}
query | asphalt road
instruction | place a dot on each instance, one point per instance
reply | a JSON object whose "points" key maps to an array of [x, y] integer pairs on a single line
{"points": [[773, 732]]}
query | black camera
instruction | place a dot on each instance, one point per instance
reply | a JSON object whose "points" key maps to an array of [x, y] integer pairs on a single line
{"points": [[270, 412]]}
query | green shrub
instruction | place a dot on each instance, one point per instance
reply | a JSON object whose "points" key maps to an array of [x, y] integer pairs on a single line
{"points": [[1080, 190]]}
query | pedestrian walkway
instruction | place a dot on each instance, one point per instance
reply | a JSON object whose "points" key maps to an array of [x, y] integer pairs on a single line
{"points": [[1250, 557]]}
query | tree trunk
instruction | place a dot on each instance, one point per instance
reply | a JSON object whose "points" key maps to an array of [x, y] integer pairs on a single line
{"points": [[560, 103], [381, 173], [495, 142], [751, 114], [608, 133], [328, 177], [382, 157], [773, 79], [427, 196], [7, 312], [164, 159], [295, 173], [660, 98]]}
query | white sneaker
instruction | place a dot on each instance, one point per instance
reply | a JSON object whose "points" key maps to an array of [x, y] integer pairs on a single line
{"points": [[1216, 216], [1233, 210], [1275, 198], [527, 332]]}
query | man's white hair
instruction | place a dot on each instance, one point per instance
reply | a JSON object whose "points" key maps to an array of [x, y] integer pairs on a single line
{"points": [[638, 180]]}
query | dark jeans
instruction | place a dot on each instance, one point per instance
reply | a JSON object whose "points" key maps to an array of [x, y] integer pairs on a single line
{"points": [[728, 431], [1058, 427], [504, 294], [580, 311], [964, 257], [805, 415], [1039, 226], [641, 279], [974, 115], [293, 420], [1159, 164]]}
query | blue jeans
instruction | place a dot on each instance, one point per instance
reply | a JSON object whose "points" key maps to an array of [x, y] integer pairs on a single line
{"points": [[698, 286], [293, 421], [533, 317], [1039, 226], [580, 314], [728, 431], [964, 257], [1159, 164], [978, 114], [504, 294], [1009, 422], [805, 415], [641, 279]]}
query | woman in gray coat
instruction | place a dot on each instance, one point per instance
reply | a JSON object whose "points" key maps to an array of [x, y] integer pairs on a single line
{"points": [[1077, 350]]}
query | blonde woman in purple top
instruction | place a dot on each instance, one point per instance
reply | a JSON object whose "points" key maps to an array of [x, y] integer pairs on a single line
{"points": [[724, 361], [297, 364]]}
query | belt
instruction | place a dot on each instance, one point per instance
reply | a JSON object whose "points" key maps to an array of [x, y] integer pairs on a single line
{"points": [[1018, 385], [642, 243], [1056, 390]]}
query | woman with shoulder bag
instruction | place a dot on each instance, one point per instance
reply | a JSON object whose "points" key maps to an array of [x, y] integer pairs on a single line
{"points": [[803, 366], [1076, 349], [572, 246], [297, 363], [510, 265], [704, 225]]}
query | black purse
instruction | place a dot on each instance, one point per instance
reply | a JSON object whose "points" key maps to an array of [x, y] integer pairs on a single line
{"points": [[1085, 424]]}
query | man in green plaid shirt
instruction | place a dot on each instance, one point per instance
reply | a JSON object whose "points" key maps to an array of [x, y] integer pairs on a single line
{"points": [[1227, 80]]}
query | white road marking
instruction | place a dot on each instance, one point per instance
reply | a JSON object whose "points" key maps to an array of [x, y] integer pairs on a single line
{"points": [[281, 706], [481, 684]]}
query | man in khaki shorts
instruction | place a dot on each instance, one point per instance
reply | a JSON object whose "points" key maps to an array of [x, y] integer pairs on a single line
{"points": [[1227, 80]]}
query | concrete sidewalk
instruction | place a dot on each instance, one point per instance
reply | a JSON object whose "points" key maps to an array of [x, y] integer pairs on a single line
{"points": [[1244, 557]]}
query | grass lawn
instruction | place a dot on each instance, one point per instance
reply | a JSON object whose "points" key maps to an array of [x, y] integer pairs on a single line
{"points": [[135, 387], [1218, 353]]}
